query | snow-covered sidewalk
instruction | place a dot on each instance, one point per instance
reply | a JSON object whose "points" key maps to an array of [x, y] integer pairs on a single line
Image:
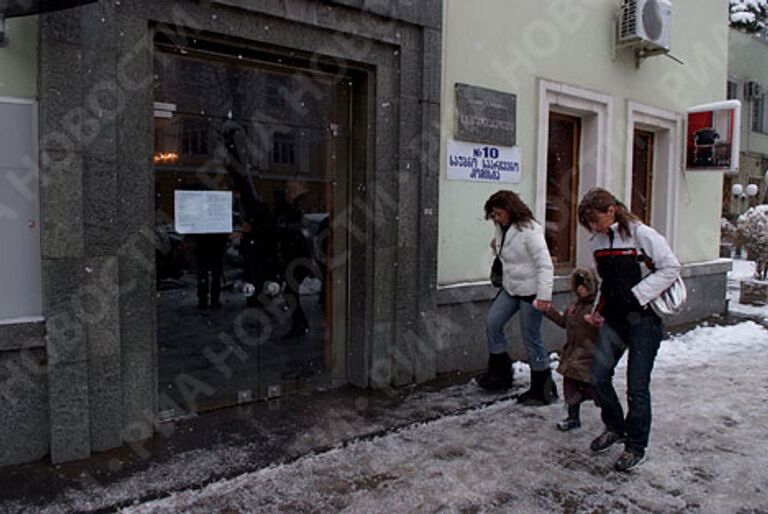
{"points": [[457, 449], [707, 454]]}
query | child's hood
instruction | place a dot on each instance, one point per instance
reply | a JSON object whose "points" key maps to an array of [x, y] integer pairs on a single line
{"points": [[586, 277]]}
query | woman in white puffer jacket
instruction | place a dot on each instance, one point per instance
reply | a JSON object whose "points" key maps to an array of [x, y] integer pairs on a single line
{"points": [[527, 287]]}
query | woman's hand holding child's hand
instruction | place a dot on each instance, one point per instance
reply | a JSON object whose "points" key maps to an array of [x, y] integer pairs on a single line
{"points": [[595, 319], [542, 305]]}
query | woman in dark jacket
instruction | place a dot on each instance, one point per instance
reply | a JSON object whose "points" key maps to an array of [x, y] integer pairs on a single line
{"points": [[620, 242]]}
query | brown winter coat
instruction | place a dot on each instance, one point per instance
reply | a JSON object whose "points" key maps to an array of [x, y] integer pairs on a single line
{"points": [[576, 356]]}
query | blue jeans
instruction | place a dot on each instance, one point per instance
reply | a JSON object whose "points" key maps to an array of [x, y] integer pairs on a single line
{"points": [[642, 336], [501, 311]]}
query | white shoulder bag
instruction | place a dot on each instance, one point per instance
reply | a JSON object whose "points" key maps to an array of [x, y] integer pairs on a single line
{"points": [[673, 299]]}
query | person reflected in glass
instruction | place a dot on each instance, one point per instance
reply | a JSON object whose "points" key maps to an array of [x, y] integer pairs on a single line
{"points": [[209, 254], [294, 251], [256, 232]]}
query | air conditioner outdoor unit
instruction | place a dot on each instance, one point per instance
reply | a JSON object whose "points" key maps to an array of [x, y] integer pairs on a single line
{"points": [[752, 89], [645, 24]]}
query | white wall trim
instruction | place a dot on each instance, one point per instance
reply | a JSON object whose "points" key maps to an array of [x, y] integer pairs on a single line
{"points": [[596, 111], [667, 165]]}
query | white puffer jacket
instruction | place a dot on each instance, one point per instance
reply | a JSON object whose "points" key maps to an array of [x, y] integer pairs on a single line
{"points": [[527, 264]]}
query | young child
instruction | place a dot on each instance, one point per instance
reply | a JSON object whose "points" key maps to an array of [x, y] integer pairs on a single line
{"points": [[576, 357]]}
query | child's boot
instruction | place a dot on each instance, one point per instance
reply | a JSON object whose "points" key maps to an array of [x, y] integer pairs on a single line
{"points": [[572, 421]]}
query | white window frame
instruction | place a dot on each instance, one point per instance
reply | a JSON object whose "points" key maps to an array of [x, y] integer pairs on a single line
{"points": [[596, 112], [667, 127]]}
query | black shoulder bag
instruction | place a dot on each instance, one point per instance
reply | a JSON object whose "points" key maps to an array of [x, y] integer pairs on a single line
{"points": [[497, 269]]}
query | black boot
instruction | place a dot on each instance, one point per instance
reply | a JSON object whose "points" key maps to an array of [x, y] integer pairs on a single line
{"points": [[543, 390], [499, 375], [572, 421]]}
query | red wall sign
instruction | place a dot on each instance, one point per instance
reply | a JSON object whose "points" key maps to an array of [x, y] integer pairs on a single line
{"points": [[712, 138]]}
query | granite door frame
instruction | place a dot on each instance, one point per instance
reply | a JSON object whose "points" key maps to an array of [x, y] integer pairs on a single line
{"points": [[96, 143]]}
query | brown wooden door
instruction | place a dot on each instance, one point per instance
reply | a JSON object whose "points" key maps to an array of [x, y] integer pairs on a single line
{"points": [[642, 174], [562, 188]]}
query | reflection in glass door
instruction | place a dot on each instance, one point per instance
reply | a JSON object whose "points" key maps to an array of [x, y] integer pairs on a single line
{"points": [[247, 292]]}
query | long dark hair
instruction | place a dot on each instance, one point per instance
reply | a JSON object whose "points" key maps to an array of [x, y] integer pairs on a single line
{"points": [[597, 200], [519, 213]]}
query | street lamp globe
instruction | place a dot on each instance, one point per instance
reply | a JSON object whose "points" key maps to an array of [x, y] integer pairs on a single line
{"points": [[752, 190], [737, 190]]}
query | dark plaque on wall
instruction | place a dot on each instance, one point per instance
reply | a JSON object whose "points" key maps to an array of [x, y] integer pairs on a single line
{"points": [[485, 116]]}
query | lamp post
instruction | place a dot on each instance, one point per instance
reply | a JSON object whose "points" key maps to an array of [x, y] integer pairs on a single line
{"points": [[765, 179], [738, 195], [751, 191]]}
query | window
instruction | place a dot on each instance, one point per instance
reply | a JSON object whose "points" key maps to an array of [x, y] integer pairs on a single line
{"points": [[20, 273], [194, 139], [275, 88], [732, 90], [758, 114], [283, 149]]}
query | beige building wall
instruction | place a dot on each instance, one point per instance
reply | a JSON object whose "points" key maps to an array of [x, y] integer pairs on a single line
{"points": [[748, 60], [18, 58], [513, 46]]}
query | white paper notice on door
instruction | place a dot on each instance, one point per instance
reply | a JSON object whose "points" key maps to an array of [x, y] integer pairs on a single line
{"points": [[203, 212]]}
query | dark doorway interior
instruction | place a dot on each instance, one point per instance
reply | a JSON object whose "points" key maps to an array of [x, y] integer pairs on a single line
{"points": [[250, 284], [642, 174], [562, 188]]}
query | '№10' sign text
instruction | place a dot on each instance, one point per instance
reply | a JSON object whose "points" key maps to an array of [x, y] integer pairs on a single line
{"points": [[483, 163]]}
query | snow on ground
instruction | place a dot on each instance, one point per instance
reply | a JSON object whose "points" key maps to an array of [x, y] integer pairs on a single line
{"points": [[707, 453], [743, 269]]}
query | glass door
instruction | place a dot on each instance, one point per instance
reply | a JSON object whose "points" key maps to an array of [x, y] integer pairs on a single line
{"points": [[251, 174]]}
